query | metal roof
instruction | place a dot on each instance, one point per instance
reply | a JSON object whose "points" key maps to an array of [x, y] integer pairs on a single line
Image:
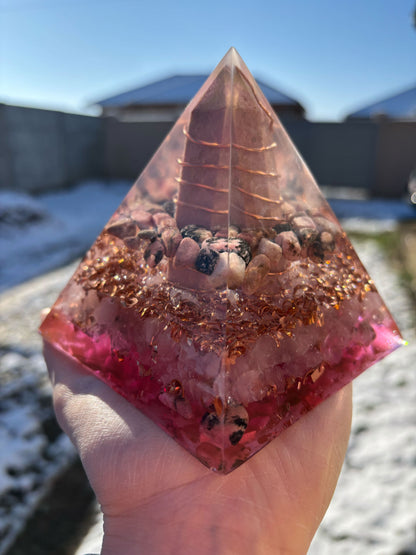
{"points": [[398, 106], [179, 89]]}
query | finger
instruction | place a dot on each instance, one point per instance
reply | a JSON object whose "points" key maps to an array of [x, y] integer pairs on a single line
{"points": [[120, 447]]}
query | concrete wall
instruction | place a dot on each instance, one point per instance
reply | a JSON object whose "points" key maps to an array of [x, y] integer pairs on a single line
{"points": [[373, 155], [45, 149], [130, 145], [395, 157], [338, 154]]}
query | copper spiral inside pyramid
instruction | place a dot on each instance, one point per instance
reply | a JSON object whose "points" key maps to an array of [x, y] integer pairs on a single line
{"points": [[223, 299]]}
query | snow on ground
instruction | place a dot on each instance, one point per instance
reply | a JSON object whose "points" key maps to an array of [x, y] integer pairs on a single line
{"points": [[46, 232], [373, 209], [33, 451], [93, 540], [373, 510]]}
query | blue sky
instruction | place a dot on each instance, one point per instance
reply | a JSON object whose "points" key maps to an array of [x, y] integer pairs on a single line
{"points": [[332, 55]]}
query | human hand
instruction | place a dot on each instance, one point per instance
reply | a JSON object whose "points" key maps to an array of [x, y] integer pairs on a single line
{"points": [[157, 499]]}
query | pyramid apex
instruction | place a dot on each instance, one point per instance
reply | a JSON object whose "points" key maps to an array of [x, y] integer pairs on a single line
{"points": [[232, 52], [232, 58]]}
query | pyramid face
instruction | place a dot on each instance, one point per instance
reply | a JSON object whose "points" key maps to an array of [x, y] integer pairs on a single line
{"points": [[223, 299]]}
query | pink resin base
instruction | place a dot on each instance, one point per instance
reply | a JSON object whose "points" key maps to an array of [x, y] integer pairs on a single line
{"points": [[220, 441], [223, 299]]}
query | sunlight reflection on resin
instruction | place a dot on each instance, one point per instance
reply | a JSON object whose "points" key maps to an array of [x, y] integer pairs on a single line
{"points": [[223, 299]]}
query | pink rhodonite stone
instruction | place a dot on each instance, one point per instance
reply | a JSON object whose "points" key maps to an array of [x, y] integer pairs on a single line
{"points": [[223, 299]]}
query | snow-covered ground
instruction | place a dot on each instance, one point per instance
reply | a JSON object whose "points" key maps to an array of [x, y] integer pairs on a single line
{"points": [[46, 232], [33, 451], [374, 509]]}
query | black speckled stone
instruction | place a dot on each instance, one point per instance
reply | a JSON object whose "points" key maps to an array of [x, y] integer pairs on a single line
{"points": [[206, 260], [282, 226], [170, 208], [198, 234], [237, 245]]}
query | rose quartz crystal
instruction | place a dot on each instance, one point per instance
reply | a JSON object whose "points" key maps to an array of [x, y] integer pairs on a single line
{"points": [[223, 299]]}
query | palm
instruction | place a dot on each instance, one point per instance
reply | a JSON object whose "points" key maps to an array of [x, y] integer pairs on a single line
{"points": [[154, 494]]}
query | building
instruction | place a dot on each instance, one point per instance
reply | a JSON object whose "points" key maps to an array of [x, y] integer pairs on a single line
{"points": [[400, 106], [165, 100]]}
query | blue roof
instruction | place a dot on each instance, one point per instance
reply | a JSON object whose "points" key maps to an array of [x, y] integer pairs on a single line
{"points": [[398, 106], [179, 89]]}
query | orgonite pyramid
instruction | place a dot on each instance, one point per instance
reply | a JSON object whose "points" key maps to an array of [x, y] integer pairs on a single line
{"points": [[223, 299]]}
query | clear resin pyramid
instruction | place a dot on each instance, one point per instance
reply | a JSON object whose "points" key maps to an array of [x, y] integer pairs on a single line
{"points": [[223, 299]]}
